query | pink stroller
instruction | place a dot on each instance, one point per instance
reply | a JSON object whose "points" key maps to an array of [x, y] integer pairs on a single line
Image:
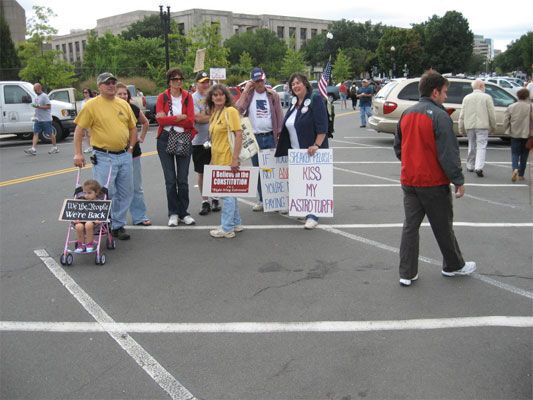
{"points": [[101, 229]]}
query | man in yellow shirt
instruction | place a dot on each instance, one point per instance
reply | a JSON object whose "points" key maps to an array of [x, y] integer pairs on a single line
{"points": [[113, 135]]}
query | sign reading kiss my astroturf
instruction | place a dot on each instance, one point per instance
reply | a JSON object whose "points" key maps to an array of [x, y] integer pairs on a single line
{"points": [[311, 183]]}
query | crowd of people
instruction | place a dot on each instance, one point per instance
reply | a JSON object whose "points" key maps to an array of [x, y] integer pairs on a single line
{"points": [[197, 126]]}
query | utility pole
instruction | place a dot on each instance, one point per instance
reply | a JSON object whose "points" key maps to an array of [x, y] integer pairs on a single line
{"points": [[165, 28]]}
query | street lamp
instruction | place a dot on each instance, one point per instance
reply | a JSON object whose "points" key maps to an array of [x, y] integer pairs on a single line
{"points": [[393, 72], [164, 16]]}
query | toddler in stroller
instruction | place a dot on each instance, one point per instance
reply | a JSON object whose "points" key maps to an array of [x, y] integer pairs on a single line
{"points": [[85, 230]]}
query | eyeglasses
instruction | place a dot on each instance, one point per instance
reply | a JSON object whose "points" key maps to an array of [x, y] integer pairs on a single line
{"points": [[85, 92], [176, 79], [109, 83]]}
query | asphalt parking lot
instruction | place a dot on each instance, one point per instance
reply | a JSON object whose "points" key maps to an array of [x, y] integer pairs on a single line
{"points": [[276, 313]]}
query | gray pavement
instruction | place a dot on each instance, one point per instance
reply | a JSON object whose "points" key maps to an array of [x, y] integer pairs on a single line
{"points": [[346, 271]]}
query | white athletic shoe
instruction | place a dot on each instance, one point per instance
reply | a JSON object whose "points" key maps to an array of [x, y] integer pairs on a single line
{"points": [[173, 220], [310, 223], [188, 220], [468, 269]]}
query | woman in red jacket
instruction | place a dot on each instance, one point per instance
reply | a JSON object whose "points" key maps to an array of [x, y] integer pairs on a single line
{"points": [[175, 116]]}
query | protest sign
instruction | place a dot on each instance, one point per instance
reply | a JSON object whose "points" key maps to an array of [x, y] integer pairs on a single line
{"points": [[274, 173], [311, 183], [221, 181], [217, 74], [85, 210]]}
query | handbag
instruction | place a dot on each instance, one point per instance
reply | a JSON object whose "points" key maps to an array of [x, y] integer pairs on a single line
{"points": [[249, 146], [179, 143]]}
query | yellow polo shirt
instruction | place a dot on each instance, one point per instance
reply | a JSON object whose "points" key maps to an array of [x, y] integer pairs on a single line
{"points": [[109, 121], [218, 130]]}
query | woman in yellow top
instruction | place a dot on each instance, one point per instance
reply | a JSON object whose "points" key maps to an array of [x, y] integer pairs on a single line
{"points": [[225, 118]]}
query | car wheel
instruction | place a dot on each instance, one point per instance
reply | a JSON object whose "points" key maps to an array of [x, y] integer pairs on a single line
{"points": [[25, 136], [56, 129]]}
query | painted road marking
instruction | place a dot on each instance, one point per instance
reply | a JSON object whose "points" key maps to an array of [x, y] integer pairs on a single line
{"points": [[148, 363], [269, 327]]}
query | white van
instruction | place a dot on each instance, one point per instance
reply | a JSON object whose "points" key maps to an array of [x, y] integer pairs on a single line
{"points": [[16, 112]]}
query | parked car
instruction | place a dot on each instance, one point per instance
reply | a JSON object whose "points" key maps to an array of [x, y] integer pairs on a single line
{"points": [[396, 96], [284, 96], [150, 108], [333, 91], [16, 112], [505, 83]]}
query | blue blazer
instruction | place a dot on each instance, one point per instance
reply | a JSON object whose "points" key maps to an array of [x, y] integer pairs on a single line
{"points": [[308, 125]]}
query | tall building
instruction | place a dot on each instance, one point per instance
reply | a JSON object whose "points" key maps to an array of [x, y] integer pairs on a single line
{"points": [[302, 29], [483, 47], [15, 17]]}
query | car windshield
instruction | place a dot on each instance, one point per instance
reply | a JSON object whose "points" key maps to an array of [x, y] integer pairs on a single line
{"points": [[385, 90], [500, 97]]}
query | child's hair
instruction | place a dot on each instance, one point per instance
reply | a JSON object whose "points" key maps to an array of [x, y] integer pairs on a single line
{"points": [[93, 185]]}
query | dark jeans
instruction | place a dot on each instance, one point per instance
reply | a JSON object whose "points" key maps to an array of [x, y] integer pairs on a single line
{"points": [[436, 203], [265, 142], [176, 172], [519, 155]]}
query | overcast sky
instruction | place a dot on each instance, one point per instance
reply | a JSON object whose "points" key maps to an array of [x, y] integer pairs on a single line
{"points": [[501, 23]]}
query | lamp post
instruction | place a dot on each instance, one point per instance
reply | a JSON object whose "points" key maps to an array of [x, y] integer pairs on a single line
{"points": [[164, 16], [393, 72]]}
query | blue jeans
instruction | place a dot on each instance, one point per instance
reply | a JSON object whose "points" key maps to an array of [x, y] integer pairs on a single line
{"points": [[519, 155], [231, 216], [137, 207], [176, 172], [120, 185], [264, 142], [366, 111]]}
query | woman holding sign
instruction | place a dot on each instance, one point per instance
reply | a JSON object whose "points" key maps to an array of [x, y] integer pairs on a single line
{"points": [[225, 119], [305, 125]]}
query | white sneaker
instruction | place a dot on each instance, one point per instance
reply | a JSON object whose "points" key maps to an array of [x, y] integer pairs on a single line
{"points": [[407, 282], [257, 207], [54, 150], [468, 269], [188, 220], [219, 233], [310, 223], [173, 220], [238, 228], [31, 151]]}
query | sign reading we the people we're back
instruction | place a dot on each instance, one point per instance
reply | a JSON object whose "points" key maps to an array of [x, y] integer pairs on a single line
{"points": [[311, 183], [85, 210]]}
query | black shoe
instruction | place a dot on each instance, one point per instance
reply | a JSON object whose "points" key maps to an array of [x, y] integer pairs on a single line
{"points": [[362, 126], [215, 207], [206, 208], [479, 172], [120, 234]]}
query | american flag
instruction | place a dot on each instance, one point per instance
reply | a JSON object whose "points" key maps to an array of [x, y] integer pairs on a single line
{"points": [[324, 79]]}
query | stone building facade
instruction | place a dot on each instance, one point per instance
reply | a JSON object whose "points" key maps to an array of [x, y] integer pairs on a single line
{"points": [[15, 17]]}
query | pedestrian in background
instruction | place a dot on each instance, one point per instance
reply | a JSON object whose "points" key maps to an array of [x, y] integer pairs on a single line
{"points": [[225, 119], [137, 206], [175, 113], [518, 123], [364, 94], [477, 118], [263, 107], [353, 95], [305, 126], [425, 137], [42, 121], [343, 94], [87, 95]]}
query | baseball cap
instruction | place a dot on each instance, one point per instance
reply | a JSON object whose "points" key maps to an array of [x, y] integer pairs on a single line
{"points": [[257, 74], [202, 77], [104, 77]]}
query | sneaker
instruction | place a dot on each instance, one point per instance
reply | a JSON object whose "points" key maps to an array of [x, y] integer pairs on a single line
{"points": [[89, 247], [31, 151], [54, 150], [310, 223], [470, 169], [514, 177], [238, 228], [407, 282], [88, 150], [79, 248], [219, 233], [479, 173], [257, 207], [173, 220], [188, 220], [120, 234], [215, 205], [206, 208], [468, 269]]}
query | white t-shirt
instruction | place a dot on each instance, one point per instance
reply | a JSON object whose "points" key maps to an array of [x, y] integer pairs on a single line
{"points": [[40, 114], [289, 123], [260, 113], [176, 110]]}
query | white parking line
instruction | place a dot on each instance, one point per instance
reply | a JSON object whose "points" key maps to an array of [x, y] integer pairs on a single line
{"points": [[148, 363], [491, 185], [269, 327]]}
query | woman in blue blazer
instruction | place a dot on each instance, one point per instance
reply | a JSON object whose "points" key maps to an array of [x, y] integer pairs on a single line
{"points": [[305, 125]]}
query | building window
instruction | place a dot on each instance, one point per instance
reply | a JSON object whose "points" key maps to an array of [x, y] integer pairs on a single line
{"points": [[83, 44], [292, 32], [249, 28], [281, 32], [58, 48], [313, 33], [64, 47], [70, 49], [303, 34], [181, 28], [77, 46]]}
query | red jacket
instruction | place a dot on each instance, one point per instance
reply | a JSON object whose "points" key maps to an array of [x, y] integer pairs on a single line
{"points": [[187, 108]]}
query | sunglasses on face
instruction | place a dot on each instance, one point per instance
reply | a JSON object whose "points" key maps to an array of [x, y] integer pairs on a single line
{"points": [[109, 83], [176, 79], [85, 92]]}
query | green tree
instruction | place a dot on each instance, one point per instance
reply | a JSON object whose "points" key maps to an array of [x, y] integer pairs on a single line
{"points": [[149, 27], [518, 56], [341, 67], [38, 26], [9, 60], [265, 48], [293, 62], [315, 51], [103, 54], [407, 50]]}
